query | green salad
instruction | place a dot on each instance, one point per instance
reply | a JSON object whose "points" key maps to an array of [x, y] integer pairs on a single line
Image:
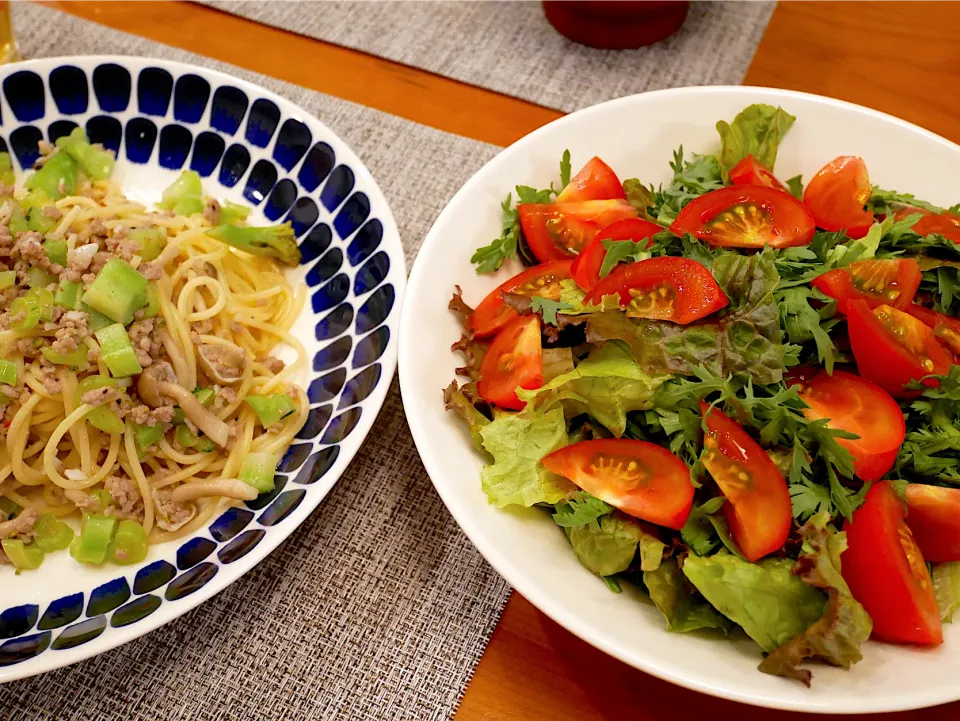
{"points": [[738, 394]]}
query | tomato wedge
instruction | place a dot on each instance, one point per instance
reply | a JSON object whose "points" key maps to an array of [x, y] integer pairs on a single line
{"points": [[542, 280], [758, 502], [642, 479], [751, 171], [859, 406], [558, 231], [595, 181], [945, 224], [886, 571], [680, 290], [891, 282], [837, 196], [513, 360], [933, 514], [586, 268], [892, 348], [946, 328], [746, 216]]}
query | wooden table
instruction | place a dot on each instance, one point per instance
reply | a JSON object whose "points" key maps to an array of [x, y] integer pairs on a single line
{"points": [[899, 57]]}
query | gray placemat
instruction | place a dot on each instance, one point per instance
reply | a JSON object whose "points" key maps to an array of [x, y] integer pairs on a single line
{"points": [[377, 607], [510, 47]]}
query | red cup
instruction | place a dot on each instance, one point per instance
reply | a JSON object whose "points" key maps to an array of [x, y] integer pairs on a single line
{"points": [[615, 24]]}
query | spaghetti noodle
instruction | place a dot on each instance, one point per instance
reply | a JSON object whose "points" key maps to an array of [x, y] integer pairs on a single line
{"points": [[154, 423]]}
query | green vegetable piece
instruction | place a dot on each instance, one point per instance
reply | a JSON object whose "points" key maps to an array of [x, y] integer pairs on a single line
{"points": [[146, 436], [26, 557], [152, 307], [757, 130], [271, 409], [258, 469], [36, 220], [76, 359], [275, 241], [24, 314], [56, 250], [118, 291], [18, 220], [607, 384], [43, 299], [8, 509], [101, 497], [7, 176], [59, 171], [188, 439], [670, 595], [946, 587], [766, 599], [581, 508], [189, 205], [151, 241], [92, 544], [608, 545], [837, 636], [35, 199], [102, 417], [7, 279], [51, 534], [8, 372], [517, 443], [95, 319], [231, 213], [68, 294], [117, 351], [188, 183], [96, 163], [37, 278], [129, 544]]}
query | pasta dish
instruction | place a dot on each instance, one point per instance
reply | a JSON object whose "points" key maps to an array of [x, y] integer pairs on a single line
{"points": [[137, 386]]}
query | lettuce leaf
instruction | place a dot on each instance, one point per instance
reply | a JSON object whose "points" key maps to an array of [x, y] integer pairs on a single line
{"points": [[765, 599], [580, 509], [517, 442], [836, 636], [455, 400], [607, 545], [946, 587], [607, 384], [757, 130], [682, 612]]}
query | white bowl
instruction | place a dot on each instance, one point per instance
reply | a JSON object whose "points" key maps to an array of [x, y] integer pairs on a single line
{"points": [[636, 136]]}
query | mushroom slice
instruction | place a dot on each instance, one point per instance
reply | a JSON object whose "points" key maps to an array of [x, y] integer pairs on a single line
{"points": [[222, 363], [159, 381]]}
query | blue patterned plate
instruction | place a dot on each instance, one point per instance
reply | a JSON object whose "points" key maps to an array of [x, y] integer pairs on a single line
{"points": [[250, 146]]}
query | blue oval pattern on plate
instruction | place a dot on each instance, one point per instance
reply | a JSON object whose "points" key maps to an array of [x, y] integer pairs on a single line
{"points": [[177, 119]]}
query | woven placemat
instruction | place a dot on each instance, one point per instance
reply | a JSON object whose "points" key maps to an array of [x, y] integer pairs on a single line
{"points": [[510, 47], [377, 607]]}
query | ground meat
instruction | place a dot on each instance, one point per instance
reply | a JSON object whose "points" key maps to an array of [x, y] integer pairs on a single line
{"points": [[123, 491], [171, 516], [224, 363], [81, 499], [151, 271], [223, 396], [147, 416], [203, 327], [29, 248], [28, 347], [21, 526], [145, 345], [51, 384], [274, 365], [120, 247], [99, 260], [71, 331], [100, 396], [211, 211], [97, 227], [6, 191], [53, 212], [9, 391]]}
